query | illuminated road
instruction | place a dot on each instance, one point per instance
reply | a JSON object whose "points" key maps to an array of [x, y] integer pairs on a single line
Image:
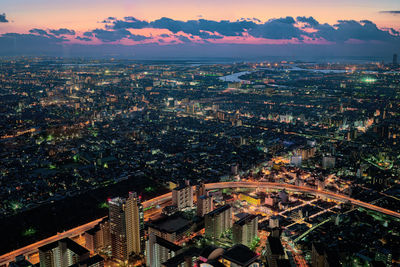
{"points": [[163, 200], [6, 258], [304, 189], [32, 248]]}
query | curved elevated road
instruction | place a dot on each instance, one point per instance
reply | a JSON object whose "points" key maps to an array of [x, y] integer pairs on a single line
{"points": [[305, 189], [6, 258]]}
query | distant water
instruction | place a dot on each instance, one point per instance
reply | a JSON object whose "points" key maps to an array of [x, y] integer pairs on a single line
{"points": [[234, 77]]}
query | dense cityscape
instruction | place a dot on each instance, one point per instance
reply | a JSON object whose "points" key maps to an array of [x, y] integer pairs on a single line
{"points": [[199, 163]]}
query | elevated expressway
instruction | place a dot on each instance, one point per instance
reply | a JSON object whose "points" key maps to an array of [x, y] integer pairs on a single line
{"points": [[164, 199]]}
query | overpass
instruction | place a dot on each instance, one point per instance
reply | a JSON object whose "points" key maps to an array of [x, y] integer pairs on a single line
{"points": [[303, 189], [32, 248]]}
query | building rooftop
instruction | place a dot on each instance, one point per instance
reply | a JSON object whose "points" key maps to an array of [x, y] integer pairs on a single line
{"points": [[240, 254], [219, 210], [275, 245], [171, 224], [246, 219]]}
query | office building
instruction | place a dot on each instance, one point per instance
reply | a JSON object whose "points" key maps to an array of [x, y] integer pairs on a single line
{"points": [[182, 196], [159, 250], [218, 221], [245, 230]]}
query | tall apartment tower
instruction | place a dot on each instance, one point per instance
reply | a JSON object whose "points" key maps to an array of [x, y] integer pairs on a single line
{"points": [[218, 221], [117, 228], [134, 222], [245, 230], [182, 196], [126, 226]]}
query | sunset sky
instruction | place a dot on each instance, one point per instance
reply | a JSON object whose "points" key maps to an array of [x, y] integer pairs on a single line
{"points": [[173, 22]]}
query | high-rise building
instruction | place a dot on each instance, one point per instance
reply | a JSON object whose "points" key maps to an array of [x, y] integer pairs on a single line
{"points": [[134, 222], [126, 226], [275, 251], [182, 196], [159, 250], [98, 237], [328, 162], [204, 205], [117, 228], [62, 253], [395, 62], [245, 230], [218, 221]]}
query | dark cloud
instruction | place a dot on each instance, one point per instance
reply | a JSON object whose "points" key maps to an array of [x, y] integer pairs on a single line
{"points": [[393, 12], [88, 34], [282, 28], [86, 39], [310, 21], [39, 32], [128, 23], [112, 35], [3, 18], [62, 31], [183, 39], [350, 29], [137, 38], [186, 32]]}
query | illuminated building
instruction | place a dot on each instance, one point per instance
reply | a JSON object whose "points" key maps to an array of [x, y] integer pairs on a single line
{"points": [[204, 205], [118, 228], [328, 162], [218, 221], [245, 230], [62, 253], [296, 161], [182, 196], [126, 226], [134, 221], [254, 200], [159, 250], [98, 237], [171, 228], [95, 261]]}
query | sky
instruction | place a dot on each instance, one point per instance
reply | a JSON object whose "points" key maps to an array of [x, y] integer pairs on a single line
{"points": [[200, 28]]}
